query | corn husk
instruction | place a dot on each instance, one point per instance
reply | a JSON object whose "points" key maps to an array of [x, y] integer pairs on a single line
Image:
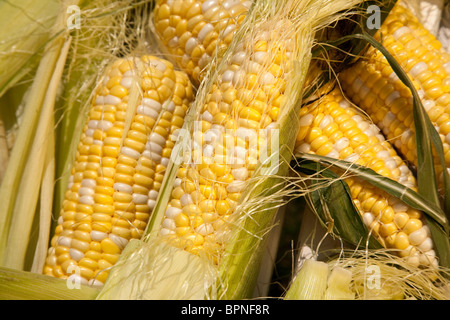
{"points": [[17, 166], [22, 45], [310, 282], [21, 48], [22, 285]]}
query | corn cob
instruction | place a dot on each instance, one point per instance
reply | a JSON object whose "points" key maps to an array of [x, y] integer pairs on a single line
{"points": [[332, 127], [192, 31], [119, 167], [373, 86], [240, 106]]}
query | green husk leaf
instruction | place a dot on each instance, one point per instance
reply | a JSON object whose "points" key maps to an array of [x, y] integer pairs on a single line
{"points": [[331, 201], [27, 198], [407, 195], [23, 285], [45, 209]]}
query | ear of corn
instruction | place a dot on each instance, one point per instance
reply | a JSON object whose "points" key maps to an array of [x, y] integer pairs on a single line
{"points": [[333, 128], [193, 31], [119, 166], [118, 174], [372, 84]]}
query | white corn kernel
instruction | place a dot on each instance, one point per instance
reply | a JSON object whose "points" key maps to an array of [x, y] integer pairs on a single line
{"points": [[98, 235]]}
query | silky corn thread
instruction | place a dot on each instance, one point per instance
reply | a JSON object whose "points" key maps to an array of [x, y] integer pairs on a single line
{"points": [[373, 85], [192, 31], [118, 172], [333, 128]]}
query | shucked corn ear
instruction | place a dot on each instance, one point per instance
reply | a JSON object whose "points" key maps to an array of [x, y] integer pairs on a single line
{"points": [[373, 85], [119, 166], [332, 127], [192, 30]]}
